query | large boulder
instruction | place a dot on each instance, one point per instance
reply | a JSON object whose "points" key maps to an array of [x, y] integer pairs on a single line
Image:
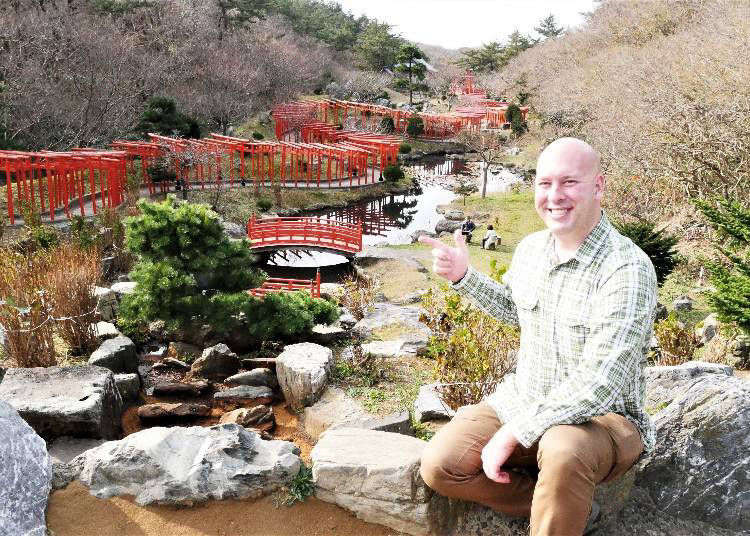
{"points": [[123, 287], [397, 325], [216, 364], [700, 468], [184, 466], [302, 370], [665, 383], [25, 474], [375, 475], [118, 355], [81, 401], [106, 303], [447, 226], [336, 410], [63, 451], [128, 385], [429, 407], [258, 377]]}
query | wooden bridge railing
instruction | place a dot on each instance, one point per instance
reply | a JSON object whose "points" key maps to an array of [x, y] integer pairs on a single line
{"points": [[305, 232]]}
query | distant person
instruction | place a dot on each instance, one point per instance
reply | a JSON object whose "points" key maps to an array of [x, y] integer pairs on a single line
{"points": [[572, 413], [467, 228], [490, 240]]}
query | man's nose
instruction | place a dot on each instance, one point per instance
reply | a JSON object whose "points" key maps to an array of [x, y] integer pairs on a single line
{"points": [[556, 192]]}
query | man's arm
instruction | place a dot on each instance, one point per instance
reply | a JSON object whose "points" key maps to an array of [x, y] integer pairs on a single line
{"points": [[452, 263], [621, 319]]}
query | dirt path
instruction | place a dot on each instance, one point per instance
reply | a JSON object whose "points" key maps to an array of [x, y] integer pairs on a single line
{"points": [[74, 512]]}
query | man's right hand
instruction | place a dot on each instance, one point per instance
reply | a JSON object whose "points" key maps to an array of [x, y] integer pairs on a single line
{"points": [[449, 262]]}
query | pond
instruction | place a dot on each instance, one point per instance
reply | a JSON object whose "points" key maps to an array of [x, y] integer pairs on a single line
{"points": [[389, 220]]}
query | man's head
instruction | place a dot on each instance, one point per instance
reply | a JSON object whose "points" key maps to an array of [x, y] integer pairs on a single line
{"points": [[568, 189]]}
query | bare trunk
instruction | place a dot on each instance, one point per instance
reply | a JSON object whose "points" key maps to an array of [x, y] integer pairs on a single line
{"points": [[484, 180]]}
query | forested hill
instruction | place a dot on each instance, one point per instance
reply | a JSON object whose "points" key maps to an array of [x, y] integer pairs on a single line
{"points": [[79, 72]]}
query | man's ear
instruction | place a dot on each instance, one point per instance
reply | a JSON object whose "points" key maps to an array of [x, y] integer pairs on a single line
{"points": [[599, 183]]}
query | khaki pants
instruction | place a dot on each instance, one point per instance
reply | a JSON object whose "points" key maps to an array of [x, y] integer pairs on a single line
{"points": [[552, 481]]}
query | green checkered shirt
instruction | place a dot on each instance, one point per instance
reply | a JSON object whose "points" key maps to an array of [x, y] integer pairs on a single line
{"points": [[586, 325]]}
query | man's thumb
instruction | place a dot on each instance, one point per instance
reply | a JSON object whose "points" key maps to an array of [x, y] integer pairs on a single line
{"points": [[458, 238]]}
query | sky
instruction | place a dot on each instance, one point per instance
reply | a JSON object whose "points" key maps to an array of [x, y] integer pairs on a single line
{"points": [[467, 23]]}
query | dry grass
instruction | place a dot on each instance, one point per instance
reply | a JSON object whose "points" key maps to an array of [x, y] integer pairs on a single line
{"points": [[359, 294], [26, 309], [70, 282]]}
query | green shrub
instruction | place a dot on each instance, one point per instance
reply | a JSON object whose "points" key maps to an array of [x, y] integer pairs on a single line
{"points": [[264, 203], [472, 350], [497, 270], [286, 315], [162, 117], [300, 488], [415, 127], [393, 173], [161, 171], [404, 148], [731, 278], [44, 236], [677, 342], [83, 232], [258, 136], [658, 245], [514, 116], [387, 125]]}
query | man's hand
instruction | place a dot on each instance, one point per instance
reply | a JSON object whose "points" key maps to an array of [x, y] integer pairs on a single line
{"points": [[496, 452], [450, 263]]}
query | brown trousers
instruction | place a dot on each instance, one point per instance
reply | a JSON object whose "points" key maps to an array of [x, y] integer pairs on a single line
{"points": [[552, 481]]}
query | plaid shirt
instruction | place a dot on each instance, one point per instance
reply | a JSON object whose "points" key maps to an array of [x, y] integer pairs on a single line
{"points": [[585, 329]]}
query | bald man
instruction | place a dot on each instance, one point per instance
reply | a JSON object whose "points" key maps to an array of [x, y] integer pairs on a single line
{"points": [[571, 415]]}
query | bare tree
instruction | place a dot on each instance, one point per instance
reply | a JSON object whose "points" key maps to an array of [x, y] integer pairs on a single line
{"points": [[489, 146]]}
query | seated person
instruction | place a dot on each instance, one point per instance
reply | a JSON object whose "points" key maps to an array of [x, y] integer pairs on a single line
{"points": [[467, 227], [490, 240]]}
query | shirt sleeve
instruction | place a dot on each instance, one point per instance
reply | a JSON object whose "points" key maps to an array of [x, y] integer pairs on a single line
{"points": [[490, 296], [621, 320]]}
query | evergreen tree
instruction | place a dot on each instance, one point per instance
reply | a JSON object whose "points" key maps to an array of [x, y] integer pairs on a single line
{"points": [[376, 47], [161, 117], [410, 62], [548, 27], [731, 278], [658, 245], [485, 59]]}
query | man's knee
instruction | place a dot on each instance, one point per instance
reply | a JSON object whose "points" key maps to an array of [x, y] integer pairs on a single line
{"points": [[572, 451], [436, 466]]}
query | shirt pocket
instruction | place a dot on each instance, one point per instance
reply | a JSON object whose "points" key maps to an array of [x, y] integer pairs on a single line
{"points": [[526, 299], [573, 332]]}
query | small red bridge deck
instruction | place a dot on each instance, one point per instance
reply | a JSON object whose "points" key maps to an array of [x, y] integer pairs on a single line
{"points": [[314, 232]]}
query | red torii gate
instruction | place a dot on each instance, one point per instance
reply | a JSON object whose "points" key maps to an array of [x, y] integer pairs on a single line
{"points": [[51, 181]]}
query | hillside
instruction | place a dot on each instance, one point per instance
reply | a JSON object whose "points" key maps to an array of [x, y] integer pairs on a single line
{"points": [[660, 88]]}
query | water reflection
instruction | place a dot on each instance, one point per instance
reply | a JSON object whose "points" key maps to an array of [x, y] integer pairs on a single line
{"points": [[433, 166]]}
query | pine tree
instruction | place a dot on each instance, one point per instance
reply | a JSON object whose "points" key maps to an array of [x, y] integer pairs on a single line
{"points": [[658, 245], [731, 278], [548, 27], [410, 61]]}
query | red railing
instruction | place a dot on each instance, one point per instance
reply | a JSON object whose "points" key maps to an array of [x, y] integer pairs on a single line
{"points": [[307, 232], [278, 284]]}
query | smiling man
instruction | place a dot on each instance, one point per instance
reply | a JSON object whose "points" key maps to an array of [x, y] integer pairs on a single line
{"points": [[571, 416]]}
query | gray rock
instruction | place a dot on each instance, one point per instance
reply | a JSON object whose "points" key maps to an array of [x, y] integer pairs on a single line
{"points": [[234, 230], [700, 466], [429, 407], [80, 401], [2, 374], [63, 452], [710, 326], [664, 384], [123, 287], [661, 312], [683, 303], [375, 475], [179, 389], [157, 330], [128, 385], [259, 377], [118, 355], [248, 417], [403, 321], [323, 334], [336, 410], [216, 364], [447, 226], [346, 320], [25, 473], [107, 263], [184, 466], [163, 411], [302, 370], [245, 395], [416, 234], [105, 330], [106, 305], [170, 363], [412, 298], [123, 278]]}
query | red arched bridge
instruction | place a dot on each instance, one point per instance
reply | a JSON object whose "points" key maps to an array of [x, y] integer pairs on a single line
{"points": [[311, 232]]}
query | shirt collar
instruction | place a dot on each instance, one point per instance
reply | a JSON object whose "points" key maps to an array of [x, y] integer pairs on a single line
{"points": [[588, 249]]}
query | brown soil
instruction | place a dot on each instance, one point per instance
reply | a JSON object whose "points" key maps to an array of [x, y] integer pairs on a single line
{"points": [[74, 512]]}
